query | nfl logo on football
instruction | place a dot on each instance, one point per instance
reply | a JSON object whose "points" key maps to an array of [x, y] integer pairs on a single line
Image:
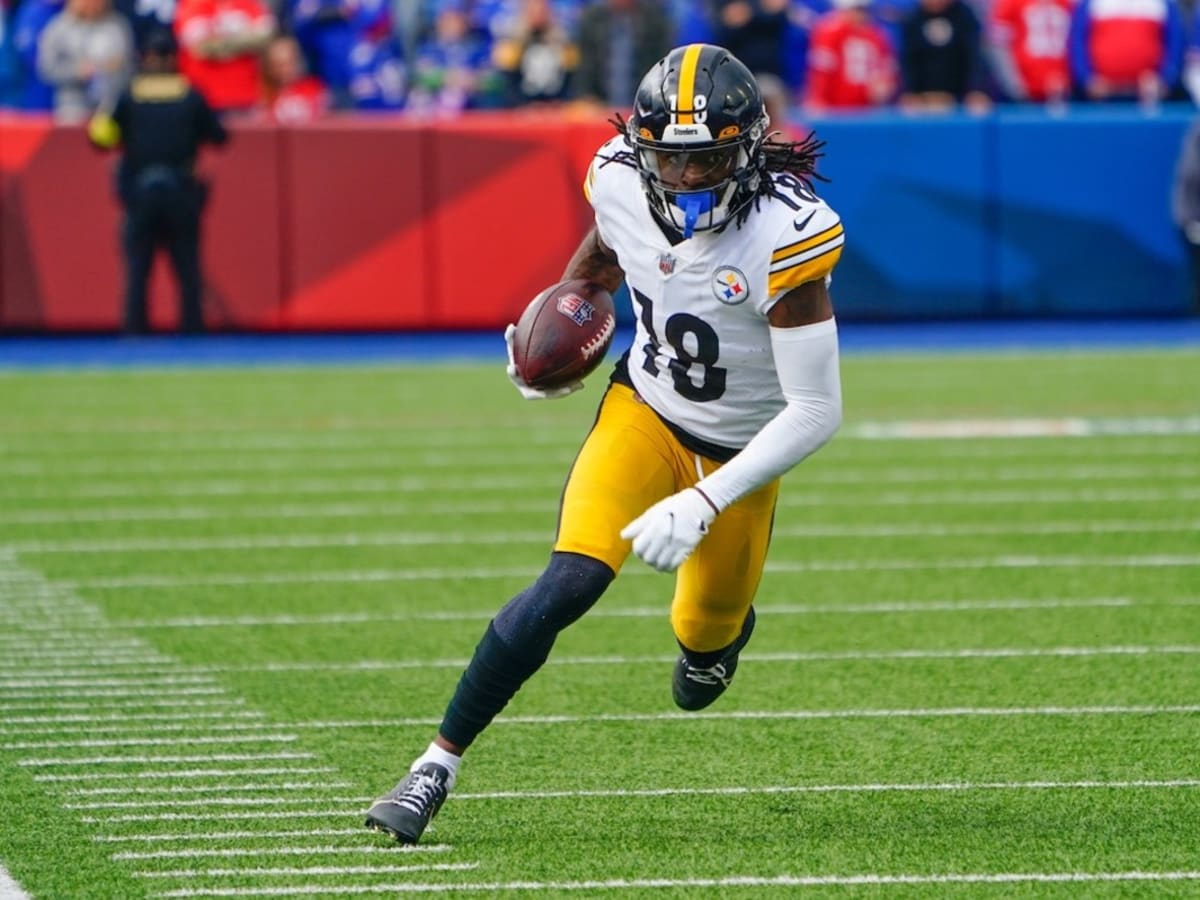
{"points": [[575, 308]]}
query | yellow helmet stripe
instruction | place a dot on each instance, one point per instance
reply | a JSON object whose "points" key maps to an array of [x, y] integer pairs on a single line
{"points": [[687, 84]]}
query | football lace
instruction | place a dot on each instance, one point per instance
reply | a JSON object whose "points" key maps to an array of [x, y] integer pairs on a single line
{"points": [[601, 339]]}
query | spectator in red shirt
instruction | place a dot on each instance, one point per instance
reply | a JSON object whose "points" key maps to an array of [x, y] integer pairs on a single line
{"points": [[1126, 49], [851, 63], [290, 94], [1028, 41], [220, 43]]}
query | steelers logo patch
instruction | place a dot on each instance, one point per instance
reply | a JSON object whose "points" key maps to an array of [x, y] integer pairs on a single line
{"points": [[730, 286]]}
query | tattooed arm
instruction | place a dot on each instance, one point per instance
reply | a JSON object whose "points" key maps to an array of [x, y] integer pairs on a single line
{"points": [[595, 261]]}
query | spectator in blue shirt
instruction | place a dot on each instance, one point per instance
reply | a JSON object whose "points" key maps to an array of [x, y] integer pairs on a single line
{"points": [[453, 68], [378, 81], [330, 30], [31, 20]]}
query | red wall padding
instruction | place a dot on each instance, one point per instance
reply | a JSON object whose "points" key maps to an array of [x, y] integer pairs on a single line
{"points": [[355, 236], [348, 224]]}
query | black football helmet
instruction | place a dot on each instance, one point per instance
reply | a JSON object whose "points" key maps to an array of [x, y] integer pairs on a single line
{"points": [[697, 132]]}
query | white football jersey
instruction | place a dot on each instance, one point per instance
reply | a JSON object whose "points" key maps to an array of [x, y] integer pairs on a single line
{"points": [[701, 354]]}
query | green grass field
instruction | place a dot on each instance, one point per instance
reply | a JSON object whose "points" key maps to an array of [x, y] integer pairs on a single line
{"points": [[233, 604]]}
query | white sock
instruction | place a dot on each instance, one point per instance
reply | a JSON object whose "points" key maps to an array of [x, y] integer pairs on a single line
{"points": [[444, 758]]}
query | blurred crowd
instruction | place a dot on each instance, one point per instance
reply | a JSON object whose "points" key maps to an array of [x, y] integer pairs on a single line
{"points": [[296, 60]]}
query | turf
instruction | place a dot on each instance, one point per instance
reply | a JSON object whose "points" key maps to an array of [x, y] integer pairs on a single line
{"points": [[234, 602]]}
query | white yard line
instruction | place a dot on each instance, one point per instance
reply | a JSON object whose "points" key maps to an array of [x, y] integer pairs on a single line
{"points": [[185, 837], [9, 889], [1074, 426], [156, 679], [169, 723], [639, 612], [781, 715], [786, 656], [261, 871], [142, 741], [256, 816], [230, 487], [782, 881], [249, 542], [174, 775], [122, 718], [796, 715], [25, 659], [176, 790], [356, 802], [200, 436], [736, 791], [102, 705], [157, 760], [164, 698], [933, 787], [150, 726], [166, 436], [366, 576], [506, 506], [59, 462], [245, 852], [111, 488], [202, 802]]}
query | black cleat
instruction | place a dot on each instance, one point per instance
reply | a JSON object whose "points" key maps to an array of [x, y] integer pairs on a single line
{"points": [[406, 809], [694, 688]]}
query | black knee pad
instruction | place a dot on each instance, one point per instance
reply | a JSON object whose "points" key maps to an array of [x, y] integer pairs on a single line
{"points": [[569, 586]]}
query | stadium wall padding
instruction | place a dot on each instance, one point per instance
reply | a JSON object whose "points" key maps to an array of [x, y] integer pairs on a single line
{"points": [[382, 223]]}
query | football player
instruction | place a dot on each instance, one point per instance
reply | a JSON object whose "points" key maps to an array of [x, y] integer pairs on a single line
{"points": [[732, 379]]}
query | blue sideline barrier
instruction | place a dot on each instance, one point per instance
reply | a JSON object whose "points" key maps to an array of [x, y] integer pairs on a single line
{"points": [[1018, 213]]}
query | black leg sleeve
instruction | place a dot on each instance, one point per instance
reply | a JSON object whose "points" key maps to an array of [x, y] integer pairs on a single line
{"points": [[518, 641]]}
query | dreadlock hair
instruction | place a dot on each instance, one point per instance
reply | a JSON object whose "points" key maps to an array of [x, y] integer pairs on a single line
{"points": [[796, 158]]}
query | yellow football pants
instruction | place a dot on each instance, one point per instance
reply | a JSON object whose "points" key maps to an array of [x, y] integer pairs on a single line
{"points": [[629, 462]]}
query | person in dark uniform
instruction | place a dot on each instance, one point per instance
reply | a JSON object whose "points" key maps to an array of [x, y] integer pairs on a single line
{"points": [[159, 122]]}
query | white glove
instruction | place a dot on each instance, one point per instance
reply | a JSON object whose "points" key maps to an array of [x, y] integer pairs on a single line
{"points": [[532, 393], [667, 533]]}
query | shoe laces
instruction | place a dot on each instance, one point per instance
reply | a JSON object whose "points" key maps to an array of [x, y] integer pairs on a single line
{"points": [[421, 793], [713, 675]]}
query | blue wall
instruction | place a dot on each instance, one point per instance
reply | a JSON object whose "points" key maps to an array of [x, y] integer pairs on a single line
{"points": [[1019, 213]]}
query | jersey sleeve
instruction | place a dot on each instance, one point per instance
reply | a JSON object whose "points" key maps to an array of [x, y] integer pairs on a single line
{"points": [[594, 183], [808, 250], [589, 181], [599, 186]]}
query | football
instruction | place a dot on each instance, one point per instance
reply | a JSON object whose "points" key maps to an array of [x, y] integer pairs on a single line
{"points": [[564, 333]]}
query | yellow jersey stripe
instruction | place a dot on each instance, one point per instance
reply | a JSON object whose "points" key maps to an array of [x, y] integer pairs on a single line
{"points": [[812, 253], [801, 273], [687, 84], [807, 244]]}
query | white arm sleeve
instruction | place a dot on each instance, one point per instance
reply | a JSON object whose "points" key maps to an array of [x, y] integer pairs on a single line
{"points": [[806, 360]]}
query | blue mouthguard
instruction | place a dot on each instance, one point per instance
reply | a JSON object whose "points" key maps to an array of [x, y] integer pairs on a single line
{"points": [[693, 206]]}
